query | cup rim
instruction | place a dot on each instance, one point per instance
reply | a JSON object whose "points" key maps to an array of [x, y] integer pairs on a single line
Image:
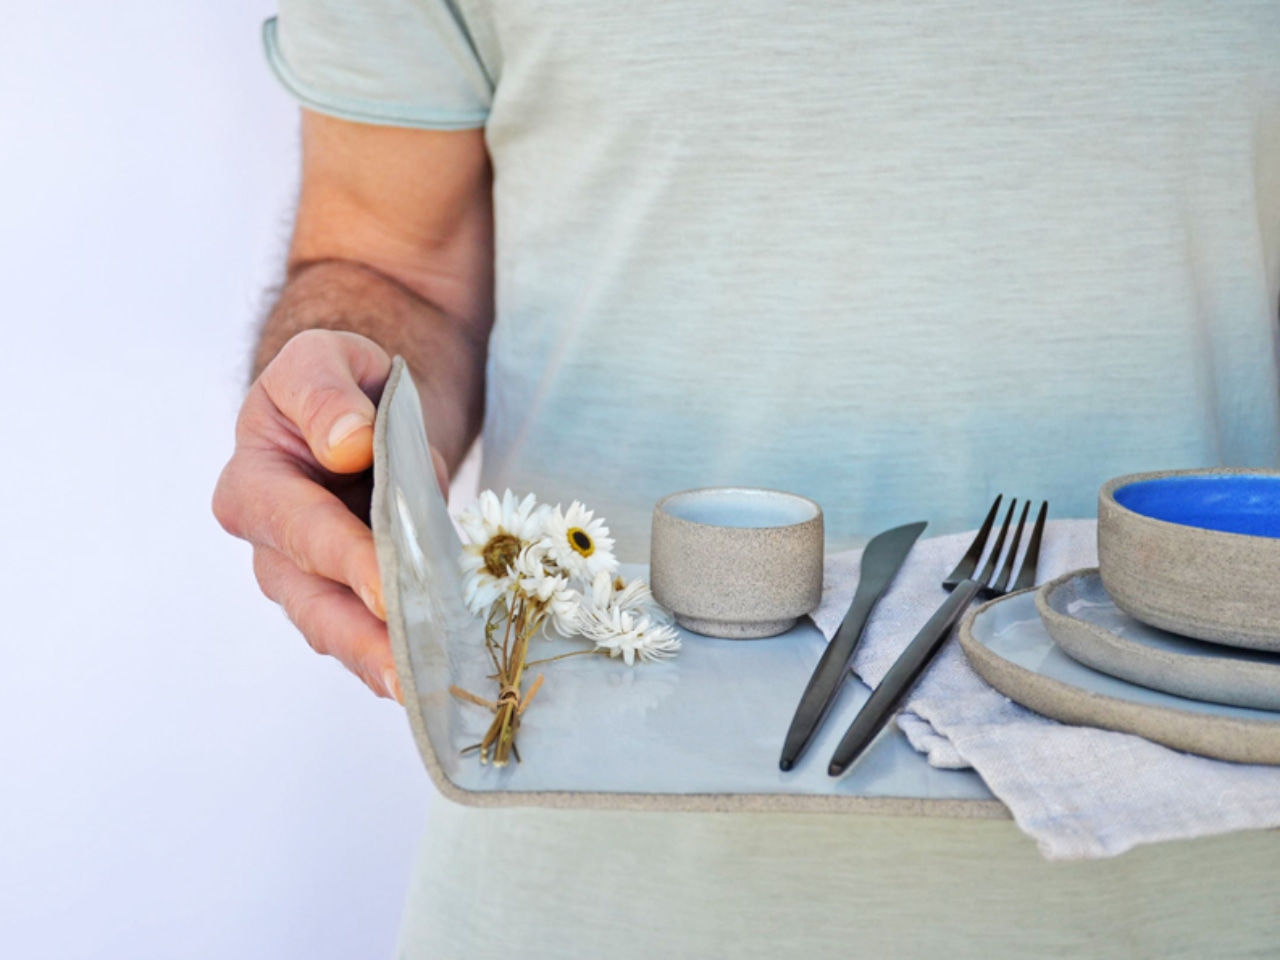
{"points": [[815, 509]]}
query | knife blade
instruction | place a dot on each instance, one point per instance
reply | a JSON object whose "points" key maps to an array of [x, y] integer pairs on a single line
{"points": [[881, 560]]}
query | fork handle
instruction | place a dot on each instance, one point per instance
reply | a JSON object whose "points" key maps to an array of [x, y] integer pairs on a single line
{"points": [[902, 676]]}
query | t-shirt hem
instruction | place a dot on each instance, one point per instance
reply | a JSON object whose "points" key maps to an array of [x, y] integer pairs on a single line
{"points": [[358, 110]]}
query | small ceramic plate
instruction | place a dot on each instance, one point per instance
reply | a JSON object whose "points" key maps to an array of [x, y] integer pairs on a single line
{"points": [[701, 732], [1085, 622], [1007, 643]]}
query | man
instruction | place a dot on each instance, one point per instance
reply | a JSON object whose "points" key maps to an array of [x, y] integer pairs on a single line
{"points": [[890, 257]]}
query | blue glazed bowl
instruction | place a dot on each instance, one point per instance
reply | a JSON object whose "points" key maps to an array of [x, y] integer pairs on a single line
{"points": [[1196, 552]]}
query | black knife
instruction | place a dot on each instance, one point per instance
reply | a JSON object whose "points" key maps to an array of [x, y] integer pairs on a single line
{"points": [[881, 560]]}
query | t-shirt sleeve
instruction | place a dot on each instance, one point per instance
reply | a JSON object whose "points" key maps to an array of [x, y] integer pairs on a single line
{"points": [[405, 63]]}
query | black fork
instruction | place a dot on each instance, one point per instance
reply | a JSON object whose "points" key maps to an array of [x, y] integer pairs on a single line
{"points": [[969, 562], [964, 587]]}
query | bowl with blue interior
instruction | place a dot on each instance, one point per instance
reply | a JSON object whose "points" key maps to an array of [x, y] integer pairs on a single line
{"points": [[1195, 552]]}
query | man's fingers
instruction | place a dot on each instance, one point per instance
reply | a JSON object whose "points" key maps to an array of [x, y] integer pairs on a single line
{"points": [[325, 382], [266, 498], [442, 471], [332, 619], [305, 430]]}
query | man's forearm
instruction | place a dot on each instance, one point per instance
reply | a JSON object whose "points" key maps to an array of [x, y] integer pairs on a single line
{"points": [[446, 355]]}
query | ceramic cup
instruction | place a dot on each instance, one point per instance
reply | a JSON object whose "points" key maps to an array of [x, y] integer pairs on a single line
{"points": [[737, 562]]}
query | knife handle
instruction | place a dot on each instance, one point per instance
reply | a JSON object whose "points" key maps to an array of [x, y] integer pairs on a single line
{"points": [[902, 676], [824, 685]]}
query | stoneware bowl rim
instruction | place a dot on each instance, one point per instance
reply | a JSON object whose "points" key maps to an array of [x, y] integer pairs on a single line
{"points": [[817, 514], [1109, 489]]}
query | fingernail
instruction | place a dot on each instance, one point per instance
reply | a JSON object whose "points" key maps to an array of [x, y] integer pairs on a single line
{"points": [[347, 425], [392, 683], [373, 600]]}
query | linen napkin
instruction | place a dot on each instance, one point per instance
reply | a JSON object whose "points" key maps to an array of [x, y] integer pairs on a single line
{"points": [[1080, 792]]}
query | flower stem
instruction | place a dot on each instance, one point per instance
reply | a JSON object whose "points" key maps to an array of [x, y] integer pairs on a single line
{"points": [[523, 617], [564, 656]]}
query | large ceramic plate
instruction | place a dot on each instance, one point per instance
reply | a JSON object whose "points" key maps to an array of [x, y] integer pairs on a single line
{"points": [[1086, 623], [1007, 643], [702, 732]]}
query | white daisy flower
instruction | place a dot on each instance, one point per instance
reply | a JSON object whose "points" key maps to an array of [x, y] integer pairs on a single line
{"points": [[540, 580], [569, 613], [537, 579], [636, 597], [627, 635], [497, 531], [602, 590], [623, 620], [488, 516], [579, 544], [565, 612]]}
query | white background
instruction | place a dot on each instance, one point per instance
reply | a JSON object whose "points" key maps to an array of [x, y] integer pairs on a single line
{"points": [[179, 775]]}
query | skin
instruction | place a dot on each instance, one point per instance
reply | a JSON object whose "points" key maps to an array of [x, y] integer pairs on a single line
{"points": [[392, 253]]}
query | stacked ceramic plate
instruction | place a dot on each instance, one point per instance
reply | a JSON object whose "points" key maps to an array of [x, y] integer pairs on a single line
{"points": [[1174, 637]]}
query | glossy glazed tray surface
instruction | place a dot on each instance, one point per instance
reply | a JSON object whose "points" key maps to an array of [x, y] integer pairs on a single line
{"points": [[702, 732]]}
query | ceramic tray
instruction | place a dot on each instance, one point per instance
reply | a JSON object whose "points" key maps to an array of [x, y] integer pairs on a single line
{"points": [[701, 732], [1007, 643], [1085, 622]]}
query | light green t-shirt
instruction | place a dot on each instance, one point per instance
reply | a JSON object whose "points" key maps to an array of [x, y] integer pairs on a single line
{"points": [[896, 257]]}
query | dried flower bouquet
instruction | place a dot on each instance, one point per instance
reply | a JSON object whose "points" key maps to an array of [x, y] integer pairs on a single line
{"points": [[529, 568]]}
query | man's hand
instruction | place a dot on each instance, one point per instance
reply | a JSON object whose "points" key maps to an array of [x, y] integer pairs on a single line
{"points": [[392, 251], [304, 444]]}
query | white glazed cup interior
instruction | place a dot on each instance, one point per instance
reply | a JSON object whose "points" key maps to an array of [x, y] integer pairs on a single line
{"points": [[740, 507]]}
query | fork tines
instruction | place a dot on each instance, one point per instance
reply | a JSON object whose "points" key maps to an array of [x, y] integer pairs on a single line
{"points": [[1000, 585]]}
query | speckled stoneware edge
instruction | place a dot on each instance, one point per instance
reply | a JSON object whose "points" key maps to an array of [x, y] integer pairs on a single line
{"points": [[1220, 678], [1224, 738], [391, 564], [1216, 586], [740, 582]]}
